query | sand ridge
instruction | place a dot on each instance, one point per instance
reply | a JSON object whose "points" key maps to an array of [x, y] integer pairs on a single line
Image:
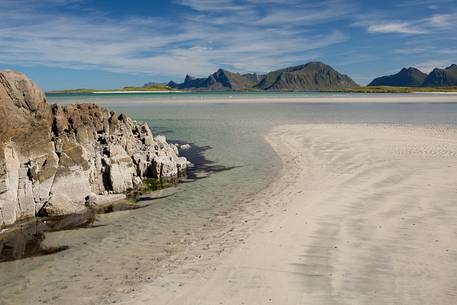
{"points": [[362, 214]]}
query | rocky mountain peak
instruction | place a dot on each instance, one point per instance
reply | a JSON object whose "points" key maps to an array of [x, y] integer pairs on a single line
{"points": [[442, 77], [189, 78], [406, 77]]}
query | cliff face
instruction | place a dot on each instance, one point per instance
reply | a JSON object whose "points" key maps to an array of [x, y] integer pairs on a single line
{"points": [[55, 159], [410, 77]]}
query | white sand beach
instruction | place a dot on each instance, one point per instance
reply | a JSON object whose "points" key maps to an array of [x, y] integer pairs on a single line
{"points": [[137, 91], [361, 214], [285, 98]]}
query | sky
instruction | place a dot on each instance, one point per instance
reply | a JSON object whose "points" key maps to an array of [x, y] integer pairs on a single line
{"points": [[109, 44]]}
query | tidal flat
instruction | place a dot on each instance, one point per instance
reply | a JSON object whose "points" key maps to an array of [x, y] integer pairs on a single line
{"points": [[184, 236]]}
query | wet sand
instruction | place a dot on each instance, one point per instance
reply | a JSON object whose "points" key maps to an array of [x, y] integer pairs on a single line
{"points": [[361, 214]]}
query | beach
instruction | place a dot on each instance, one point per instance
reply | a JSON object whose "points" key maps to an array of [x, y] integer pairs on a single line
{"points": [[198, 152], [185, 98], [300, 203], [359, 214]]}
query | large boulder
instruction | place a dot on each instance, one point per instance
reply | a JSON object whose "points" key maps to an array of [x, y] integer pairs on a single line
{"points": [[53, 158], [26, 150]]}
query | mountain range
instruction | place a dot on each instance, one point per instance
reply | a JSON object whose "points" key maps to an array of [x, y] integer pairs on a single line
{"points": [[313, 76], [412, 77]]}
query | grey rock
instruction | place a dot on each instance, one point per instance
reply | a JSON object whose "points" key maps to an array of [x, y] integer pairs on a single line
{"points": [[53, 159], [184, 146]]}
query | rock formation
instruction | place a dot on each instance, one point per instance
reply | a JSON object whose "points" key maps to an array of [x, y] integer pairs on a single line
{"points": [[55, 159]]}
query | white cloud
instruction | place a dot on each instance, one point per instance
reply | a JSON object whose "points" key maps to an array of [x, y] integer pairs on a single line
{"points": [[395, 27], [197, 42], [443, 20], [435, 24], [416, 3], [213, 5], [413, 50]]}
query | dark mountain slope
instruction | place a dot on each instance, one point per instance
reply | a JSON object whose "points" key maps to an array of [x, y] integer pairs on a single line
{"points": [[407, 77], [442, 77], [313, 76], [220, 80]]}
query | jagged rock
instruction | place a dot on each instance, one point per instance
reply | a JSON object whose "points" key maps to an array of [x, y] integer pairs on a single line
{"points": [[54, 158], [184, 146]]}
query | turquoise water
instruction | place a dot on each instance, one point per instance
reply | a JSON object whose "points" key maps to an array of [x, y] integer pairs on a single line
{"points": [[104, 256]]}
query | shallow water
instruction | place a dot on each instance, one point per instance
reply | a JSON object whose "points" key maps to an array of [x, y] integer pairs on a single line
{"points": [[101, 259]]}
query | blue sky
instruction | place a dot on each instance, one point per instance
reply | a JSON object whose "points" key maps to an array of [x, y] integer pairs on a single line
{"points": [[106, 44]]}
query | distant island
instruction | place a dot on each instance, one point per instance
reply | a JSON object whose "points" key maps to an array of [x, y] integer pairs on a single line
{"points": [[313, 76], [145, 88]]}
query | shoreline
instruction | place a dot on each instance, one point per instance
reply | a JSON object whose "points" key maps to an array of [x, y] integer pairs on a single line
{"points": [[332, 99], [251, 92], [324, 243], [134, 92]]}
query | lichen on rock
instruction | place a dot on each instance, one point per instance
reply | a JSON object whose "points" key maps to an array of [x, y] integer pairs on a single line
{"points": [[53, 158]]}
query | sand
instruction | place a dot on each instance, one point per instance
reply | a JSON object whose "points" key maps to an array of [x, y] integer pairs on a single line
{"points": [[323, 98], [361, 214], [137, 91]]}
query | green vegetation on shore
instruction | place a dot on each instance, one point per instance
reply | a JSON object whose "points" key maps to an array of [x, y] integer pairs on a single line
{"points": [[389, 89], [125, 89], [365, 89]]}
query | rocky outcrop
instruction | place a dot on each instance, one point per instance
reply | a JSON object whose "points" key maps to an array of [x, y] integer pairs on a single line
{"points": [[54, 159]]}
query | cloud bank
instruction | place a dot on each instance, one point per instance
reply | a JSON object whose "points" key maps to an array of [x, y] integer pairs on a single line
{"points": [[203, 35], [243, 35]]}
